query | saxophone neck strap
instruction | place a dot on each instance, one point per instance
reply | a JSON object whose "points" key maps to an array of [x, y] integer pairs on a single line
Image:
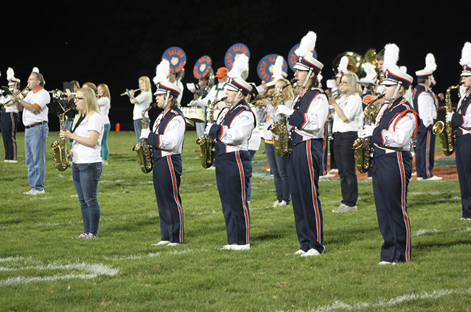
{"points": [[79, 121]]}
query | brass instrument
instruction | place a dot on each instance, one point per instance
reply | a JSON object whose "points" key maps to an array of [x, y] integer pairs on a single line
{"points": [[354, 62], [362, 146], [259, 101], [144, 150], [20, 95], [445, 131], [60, 149], [280, 131], [206, 143], [369, 57]]}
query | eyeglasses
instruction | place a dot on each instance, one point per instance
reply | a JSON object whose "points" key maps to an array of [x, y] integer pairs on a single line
{"points": [[78, 98]]}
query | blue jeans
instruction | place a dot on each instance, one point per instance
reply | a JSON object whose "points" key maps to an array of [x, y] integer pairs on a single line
{"points": [[279, 169], [86, 178], [138, 127], [104, 142], [35, 154]]}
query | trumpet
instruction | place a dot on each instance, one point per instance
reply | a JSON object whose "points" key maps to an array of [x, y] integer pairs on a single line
{"points": [[127, 92]]}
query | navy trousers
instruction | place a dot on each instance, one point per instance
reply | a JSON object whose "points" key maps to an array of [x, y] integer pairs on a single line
{"points": [[166, 175], [391, 175], [233, 171], [305, 165], [9, 125], [463, 165], [424, 152]]}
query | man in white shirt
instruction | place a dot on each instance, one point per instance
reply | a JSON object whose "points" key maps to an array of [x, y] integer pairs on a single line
{"points": [[36, 131]]}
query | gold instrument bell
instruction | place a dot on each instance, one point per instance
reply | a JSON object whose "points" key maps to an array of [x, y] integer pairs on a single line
{"points": [[354, 62], [369, 57]]}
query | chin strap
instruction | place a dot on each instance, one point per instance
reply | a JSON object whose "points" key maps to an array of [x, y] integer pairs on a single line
{"points": [[307, 78], [395, 92]]}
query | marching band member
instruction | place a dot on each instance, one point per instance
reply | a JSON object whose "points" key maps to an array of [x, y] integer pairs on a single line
{"points": [[104, 101], [36, 131], [307, 118], [10, 119], [70, 115], [426, 105], [462, 120], [232, 132], [87, 132], [266, 114], [347, 115], [391, 136], [172, 78], [166, 138], [217, 92], [141, 102]]}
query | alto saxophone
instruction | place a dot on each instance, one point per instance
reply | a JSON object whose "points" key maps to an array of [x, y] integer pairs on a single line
{"points": [[446, 139], [362, 146], [280, 131], [206, 143], [60, 149], [144, 150]]}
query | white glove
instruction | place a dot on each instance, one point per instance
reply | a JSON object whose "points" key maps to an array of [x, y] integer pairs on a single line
{"points": [[208, 127], [284, 110], [368, 131], [144, 133], [448, 117], [192, 103]]}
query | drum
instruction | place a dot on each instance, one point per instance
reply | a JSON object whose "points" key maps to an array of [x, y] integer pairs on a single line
{"points": [[196, 114], [189, 122]]}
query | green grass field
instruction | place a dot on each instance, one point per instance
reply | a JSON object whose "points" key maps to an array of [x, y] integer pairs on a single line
{"points": [[44, 268]]}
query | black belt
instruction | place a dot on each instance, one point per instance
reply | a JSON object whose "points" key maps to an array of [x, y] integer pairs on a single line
{"points": [[36, 124]]}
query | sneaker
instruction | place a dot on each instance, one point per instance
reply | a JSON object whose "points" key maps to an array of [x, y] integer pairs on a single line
{"points": [[434, 178], [34, 192], [344, 208], [283, 203], [419, 179], [300, 252], [227, 247], [161, 243], [83, 236], [241, 247], [91, 236], [414, 173], [386, 263], [105, 162], [276, 204], [334, 171], [310, 253], [173, 244], [327, 176]]}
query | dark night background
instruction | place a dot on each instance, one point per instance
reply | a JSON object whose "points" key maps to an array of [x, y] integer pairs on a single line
{"points": [[117, 42]]}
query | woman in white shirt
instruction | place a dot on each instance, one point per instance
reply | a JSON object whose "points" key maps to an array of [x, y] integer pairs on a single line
{"points": [[104, 101], [348, 111], [141, 102], [87, 132]]}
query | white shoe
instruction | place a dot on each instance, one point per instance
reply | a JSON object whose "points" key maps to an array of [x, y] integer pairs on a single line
{"points": [[414, 173], [300, 252], [161, 243], [276, 204], [283, 203], [241, 247], [173, 244], [310, 253], [34, 192], [327, 176], [334, 171], [386, 263], [419, 179], [434, 178], [227, 247], [344, 208]]}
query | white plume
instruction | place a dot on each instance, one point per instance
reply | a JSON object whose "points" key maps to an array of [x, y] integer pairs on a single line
{"points": [[403, 69], [307, 44], [343, 64], [10, 73], [466, 54], [162, 71], [391, 56], [240, 65], [278, 68], [35, 70], [369, 70], [430, 62]]}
